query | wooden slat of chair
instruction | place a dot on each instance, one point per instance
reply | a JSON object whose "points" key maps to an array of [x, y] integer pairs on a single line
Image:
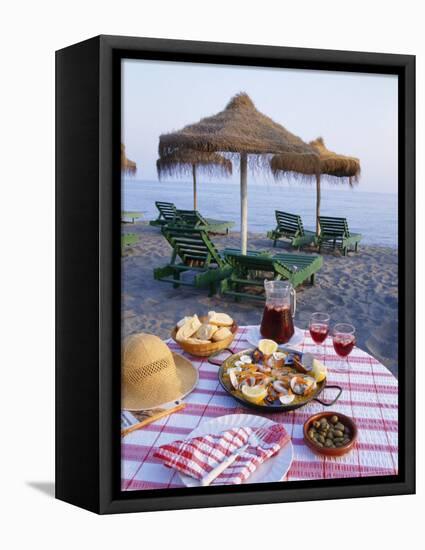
{"points": [[192, 217], [166, 209], [187, 241], [337, 230], [290, 226], [288, 222]]}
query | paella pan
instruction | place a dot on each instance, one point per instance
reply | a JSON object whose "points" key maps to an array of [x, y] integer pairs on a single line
{"points": [[281, 382]]}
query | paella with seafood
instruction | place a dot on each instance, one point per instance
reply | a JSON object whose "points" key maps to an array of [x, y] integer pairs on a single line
{"points": [[266, 377]]}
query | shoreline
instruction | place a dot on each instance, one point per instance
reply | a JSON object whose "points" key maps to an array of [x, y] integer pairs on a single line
{"points": [[360, 289], [373, 216]]}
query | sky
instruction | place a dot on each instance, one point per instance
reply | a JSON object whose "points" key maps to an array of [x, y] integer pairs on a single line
{"points": [[355, 113]]}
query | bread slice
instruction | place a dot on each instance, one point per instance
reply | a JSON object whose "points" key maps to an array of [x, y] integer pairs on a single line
{"points": [[183, 321], [205, 332], [194, 340], [221, 334], [188, 329], [219, 319]]}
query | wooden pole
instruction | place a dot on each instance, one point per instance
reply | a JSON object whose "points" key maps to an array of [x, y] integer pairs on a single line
{"points": [[317, 203], [244, 203], [194, 185]]}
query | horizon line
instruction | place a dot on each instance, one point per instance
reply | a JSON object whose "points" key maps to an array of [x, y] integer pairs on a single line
{"points": [[334, 186]]}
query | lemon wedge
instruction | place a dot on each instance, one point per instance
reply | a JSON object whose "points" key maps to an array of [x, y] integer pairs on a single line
{"points": [[318, 371], [255, 394], [267, 347]]}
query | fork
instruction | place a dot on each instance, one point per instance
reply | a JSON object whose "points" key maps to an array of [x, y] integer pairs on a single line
{"points": [[253, 441]]}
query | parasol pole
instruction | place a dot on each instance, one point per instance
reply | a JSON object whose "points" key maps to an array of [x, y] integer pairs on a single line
{"points": [[244, 203], [194, 185], [317, 203]]}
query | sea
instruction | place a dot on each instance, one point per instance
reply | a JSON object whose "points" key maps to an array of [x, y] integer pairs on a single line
{"points": [[374, 215]]}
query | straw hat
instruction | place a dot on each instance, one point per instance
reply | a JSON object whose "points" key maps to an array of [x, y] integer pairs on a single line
{"points": [[152, 375]]}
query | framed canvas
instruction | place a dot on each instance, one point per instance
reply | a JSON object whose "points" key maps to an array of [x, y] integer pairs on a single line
{"points": [[235, 274]]}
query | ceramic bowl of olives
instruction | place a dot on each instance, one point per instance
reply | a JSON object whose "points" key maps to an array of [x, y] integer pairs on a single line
{"points": [[330, 433]]}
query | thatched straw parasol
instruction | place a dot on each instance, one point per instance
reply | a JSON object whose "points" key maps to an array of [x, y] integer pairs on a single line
{"points": [[331, 165], [335, 165], [188, 161], [239, 129], [127, 166]]}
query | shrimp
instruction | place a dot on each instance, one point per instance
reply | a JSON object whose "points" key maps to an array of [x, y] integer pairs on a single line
{"points": [[263, 368]]}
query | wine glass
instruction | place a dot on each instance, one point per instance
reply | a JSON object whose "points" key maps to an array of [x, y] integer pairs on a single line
{"points": [[344, 340], [319, 329]]}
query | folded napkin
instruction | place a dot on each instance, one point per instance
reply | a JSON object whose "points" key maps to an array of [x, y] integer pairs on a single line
{"points": [[196, 457]]}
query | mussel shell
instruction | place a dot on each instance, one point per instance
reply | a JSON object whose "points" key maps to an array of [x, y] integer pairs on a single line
{"points": [[303, 385], [257, 356]]}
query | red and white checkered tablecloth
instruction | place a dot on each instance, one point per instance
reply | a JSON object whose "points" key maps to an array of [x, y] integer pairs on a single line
{"points": [[370, 397]]}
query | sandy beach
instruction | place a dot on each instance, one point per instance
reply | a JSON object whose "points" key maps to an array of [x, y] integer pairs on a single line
{"points": [[360, 289]]}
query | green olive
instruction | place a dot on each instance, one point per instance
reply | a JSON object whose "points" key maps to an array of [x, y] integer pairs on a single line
{"points": [[338, 433], [340, 426], [321, 438], [316, 424], [328, 443], [311, 434], [334, 419]]}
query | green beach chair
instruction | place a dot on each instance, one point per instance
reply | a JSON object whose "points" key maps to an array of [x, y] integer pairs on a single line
{"points": [[290, 227], [130, 217], [127, 240], [193, 218], [251, 269], [335, 231], [193, 251], [167, 213]]}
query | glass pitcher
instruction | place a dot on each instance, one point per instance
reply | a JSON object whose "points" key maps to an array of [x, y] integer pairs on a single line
{"points": [[279, 311]]}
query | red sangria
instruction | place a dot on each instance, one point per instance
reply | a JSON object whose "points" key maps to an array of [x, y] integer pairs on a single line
{"points": [[319, 328], [319, 332], [344, 345], [344, 340], [277, 324]]}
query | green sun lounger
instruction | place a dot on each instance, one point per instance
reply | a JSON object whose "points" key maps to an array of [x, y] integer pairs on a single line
{"points": [[167, 213], [127, 240], [290, 227], [193, 251], [193, 218], [251, 269], [130, 217], [336, 232]]}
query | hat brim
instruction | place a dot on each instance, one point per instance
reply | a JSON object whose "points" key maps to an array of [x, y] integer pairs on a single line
{"points": [[188, 376]]}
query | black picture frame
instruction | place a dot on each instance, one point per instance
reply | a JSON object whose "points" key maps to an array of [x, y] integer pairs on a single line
{"points": [[88, 273]]}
